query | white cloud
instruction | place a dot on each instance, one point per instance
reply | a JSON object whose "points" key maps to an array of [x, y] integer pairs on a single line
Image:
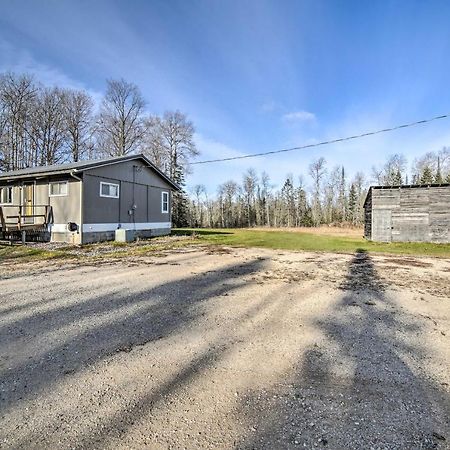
{"points": [[299, 116]]}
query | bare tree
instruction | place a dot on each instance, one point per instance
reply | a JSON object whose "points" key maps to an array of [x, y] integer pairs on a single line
{"points": [[317, 170], [249, 184], [78, 119], [177, 138], [17, 94], [120, 122], [393, 172], [199, 190], [153, 145], [47, 127]]}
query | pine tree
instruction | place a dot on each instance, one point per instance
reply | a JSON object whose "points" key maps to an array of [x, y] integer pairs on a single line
{"points": [[287, 193], [342, 197], [180, 201], [397, 179], [352, 203], [427, 176]]}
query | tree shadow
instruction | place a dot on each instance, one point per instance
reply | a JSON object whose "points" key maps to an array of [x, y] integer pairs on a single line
{"points": [[105, 325], [117, 425], [360, 387]]}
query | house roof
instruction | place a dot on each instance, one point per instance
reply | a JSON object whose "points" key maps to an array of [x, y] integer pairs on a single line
{"points": [[80, 166], [404, 186]]}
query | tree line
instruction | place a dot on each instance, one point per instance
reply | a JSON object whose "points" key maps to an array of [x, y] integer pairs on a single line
{"points": [[41, 125], [327, 197]]}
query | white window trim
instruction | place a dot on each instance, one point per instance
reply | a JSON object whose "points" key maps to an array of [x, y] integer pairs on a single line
{"points": [[58, 195], [109, 184], [163, 211], [12, 195]]}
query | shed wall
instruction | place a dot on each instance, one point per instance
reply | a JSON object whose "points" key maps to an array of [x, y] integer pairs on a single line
{"points": [[419, 214]]}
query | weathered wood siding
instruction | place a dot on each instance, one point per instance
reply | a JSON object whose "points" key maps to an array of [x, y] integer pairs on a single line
{"points": [[409, 214], [368, 216]]}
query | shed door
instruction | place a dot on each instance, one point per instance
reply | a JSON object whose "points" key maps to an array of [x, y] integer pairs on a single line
{"points": [[382, 225]]}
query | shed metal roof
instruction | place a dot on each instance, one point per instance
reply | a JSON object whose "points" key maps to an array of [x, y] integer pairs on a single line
{"points": [[80, 166], [404, 186]]}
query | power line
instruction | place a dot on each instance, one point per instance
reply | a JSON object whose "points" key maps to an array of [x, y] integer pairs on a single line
{"points": [[332, 141]]}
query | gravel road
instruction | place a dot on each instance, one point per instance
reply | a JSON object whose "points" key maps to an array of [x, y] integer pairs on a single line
{"points": [[226, 348]]}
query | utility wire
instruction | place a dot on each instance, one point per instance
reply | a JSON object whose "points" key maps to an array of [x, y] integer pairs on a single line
{"points": [[332, 141]]}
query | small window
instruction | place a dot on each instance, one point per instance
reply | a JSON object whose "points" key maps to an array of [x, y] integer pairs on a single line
{"points": [[58, 189], [109, 190], [6, 195], [165, 202]]}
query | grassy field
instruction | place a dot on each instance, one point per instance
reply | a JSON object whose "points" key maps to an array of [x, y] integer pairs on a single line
{"points": [[309, 241], [303, 240]]}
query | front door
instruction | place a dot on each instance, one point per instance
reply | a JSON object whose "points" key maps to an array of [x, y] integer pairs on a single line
{"points": [[28, 202]]}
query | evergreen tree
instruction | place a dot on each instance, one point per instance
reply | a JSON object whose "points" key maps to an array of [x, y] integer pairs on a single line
{"points": [[287, 193], [302, 208], [342, 197], [397, 179], [427, 176], [180, 203], [352, 203]]}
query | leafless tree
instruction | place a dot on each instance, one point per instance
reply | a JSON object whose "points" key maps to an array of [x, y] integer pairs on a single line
{"points": [[17, 95], [152, 145], [317, 170], [249, 184], [47, 127], [120, 122], [173, 139], [78, 120], [392, 172]]}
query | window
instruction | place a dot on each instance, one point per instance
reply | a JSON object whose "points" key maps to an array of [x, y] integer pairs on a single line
{"points": [[109, 190], [58, 189], [164, 202], [6, 194]]}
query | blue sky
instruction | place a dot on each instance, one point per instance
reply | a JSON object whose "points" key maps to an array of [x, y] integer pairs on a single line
{"points": [[254, 75]]}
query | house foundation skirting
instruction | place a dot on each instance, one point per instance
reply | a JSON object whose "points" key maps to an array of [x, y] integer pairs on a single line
{"points": [[107, 232], [97, 232], [104, 227]]}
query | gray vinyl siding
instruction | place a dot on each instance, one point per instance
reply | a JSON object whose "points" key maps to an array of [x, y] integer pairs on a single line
{"points": [[146, 191], [408, 214], [65, 208]]}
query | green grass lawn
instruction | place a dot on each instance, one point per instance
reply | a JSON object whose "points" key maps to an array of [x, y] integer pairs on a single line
{"points": [[283, 240], [288, 240]]}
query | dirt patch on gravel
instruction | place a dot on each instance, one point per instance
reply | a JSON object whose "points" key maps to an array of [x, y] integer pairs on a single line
{"points": [[226, 348], [408, 262]]}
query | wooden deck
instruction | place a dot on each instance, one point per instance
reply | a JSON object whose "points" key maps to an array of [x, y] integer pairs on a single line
{"points": [[16, 224]]}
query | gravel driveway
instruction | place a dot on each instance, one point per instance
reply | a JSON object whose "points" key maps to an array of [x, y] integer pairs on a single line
{"points": [[226, 348]]}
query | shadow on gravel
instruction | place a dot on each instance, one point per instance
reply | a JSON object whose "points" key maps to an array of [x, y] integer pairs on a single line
{"points": [[355, 390], [77, 334]]}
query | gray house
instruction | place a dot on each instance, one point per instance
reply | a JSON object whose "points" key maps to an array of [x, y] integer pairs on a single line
{"points": [[412, 213], [86, 201]]}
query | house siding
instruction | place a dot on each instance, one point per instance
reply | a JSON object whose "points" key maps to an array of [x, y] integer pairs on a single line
{"points": [[139, 206], [101, 215], [65, 208]]}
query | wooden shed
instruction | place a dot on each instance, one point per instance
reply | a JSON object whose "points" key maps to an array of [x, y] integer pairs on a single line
{"points": [[411, 213]]}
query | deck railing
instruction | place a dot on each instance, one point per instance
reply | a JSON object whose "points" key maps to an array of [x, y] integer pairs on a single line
{"points": [[19, 217]]}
